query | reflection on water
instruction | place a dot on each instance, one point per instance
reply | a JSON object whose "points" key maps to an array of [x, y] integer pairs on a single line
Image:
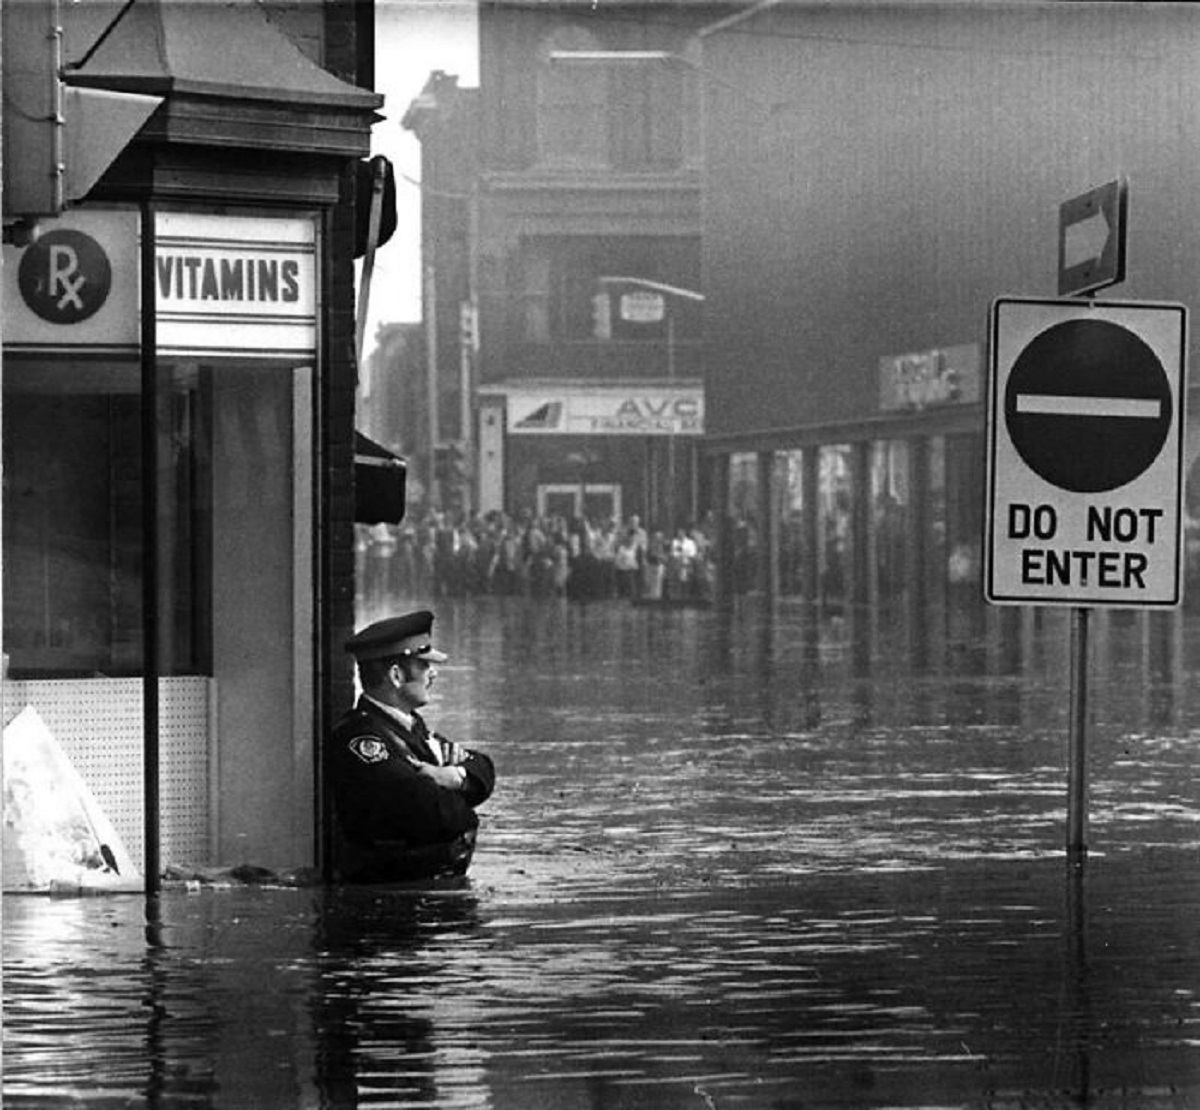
{"points": [[732, 862]]}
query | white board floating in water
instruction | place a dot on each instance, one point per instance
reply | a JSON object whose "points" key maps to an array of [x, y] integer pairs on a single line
{"points": [[57, 839]]}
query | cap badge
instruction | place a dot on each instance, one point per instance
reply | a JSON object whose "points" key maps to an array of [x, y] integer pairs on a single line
{"points": [[369, 749]]}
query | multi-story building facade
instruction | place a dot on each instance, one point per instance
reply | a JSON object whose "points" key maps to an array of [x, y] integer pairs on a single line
{"points": [[584, 263], [445, 118], [178, 404]]}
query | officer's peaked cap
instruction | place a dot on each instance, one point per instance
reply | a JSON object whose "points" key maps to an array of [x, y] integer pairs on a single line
{"points": [[397, 636]]}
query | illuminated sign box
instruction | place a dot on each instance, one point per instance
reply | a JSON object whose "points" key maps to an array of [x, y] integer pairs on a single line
{"points": [[224, 285], [606, 410], [235, 285], [930, 379]]}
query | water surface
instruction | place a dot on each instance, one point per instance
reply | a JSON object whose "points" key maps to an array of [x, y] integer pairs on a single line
{"points": [[730, 862]]}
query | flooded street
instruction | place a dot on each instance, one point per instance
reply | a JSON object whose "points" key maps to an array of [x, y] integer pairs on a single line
{"points": [[730, 862]]}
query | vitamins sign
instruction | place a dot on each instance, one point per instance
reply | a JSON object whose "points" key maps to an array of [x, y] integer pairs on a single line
{"points": [[1085, 428]]}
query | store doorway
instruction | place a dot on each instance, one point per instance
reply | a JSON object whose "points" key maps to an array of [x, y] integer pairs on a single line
{"points": [[597, 503]]}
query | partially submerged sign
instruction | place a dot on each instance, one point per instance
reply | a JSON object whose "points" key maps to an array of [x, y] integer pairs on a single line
{"points": [[1085, 453]]}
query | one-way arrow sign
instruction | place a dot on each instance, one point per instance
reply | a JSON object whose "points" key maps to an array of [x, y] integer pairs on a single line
{"points": [[1091, 239]]}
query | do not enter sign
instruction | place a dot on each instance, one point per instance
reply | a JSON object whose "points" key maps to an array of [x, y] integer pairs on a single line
{"points": [[1085, 453]]}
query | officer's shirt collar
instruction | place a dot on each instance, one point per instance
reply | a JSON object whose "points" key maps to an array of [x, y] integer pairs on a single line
{"points": [[397, 715], [406, 721]]}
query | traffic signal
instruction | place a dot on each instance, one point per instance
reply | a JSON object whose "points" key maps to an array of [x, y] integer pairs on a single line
{"points": [[602, 316], [468, 326], [450, 463]]}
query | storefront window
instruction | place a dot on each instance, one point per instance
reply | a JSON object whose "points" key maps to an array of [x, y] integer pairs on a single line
{"points": [[938, 552], [72, 518], [964, 515], [834, 525], [743, 511], [73, 528], [789, 483], [891, 519]]}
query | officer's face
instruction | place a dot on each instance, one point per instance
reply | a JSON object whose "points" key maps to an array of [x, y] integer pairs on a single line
{"points": [[413, 679]]}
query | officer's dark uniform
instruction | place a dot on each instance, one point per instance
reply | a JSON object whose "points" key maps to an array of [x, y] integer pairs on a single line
{"points": [[394, 822]]}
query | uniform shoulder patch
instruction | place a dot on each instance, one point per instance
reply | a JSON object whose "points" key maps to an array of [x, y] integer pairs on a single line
{"points": [[370, 749]]}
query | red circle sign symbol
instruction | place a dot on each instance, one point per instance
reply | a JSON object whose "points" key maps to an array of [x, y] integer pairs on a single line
{"points": [[1088, 405], [65, 276]]}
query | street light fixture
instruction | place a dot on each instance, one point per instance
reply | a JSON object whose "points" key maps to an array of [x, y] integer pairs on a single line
{"points": [[654, 286], [667, 291], [611, 56]]}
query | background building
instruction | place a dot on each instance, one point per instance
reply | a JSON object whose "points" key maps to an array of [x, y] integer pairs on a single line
{"points": [[583, 262], [445, 120], [874, 176]]}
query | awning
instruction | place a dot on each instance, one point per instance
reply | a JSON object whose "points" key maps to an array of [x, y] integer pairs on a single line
{"points": [[224, 48], [380, 479], [229, 77]]}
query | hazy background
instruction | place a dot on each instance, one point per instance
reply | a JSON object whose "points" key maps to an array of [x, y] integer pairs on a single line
{"points": [[413, 38]]}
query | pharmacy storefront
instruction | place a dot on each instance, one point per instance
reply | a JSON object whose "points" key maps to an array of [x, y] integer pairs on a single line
{"points": [[158, 462]]}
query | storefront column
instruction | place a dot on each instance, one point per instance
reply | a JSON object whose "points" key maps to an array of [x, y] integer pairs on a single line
{"points": [[768, 513]]}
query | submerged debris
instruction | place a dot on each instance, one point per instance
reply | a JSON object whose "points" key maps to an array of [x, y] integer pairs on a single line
{"points": [[243, 874]]}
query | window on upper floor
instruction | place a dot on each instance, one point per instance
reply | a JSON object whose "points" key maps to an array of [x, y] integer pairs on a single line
{"points": [[626, 115], [572, 102], [564, 299]]}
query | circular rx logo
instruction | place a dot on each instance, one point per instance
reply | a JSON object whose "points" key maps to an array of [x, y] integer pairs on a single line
{"points": [[65, 276], [1088, 406]]}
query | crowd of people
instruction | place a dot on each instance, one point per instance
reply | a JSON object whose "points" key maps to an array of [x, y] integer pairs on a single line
{"points": [[455, 555]]}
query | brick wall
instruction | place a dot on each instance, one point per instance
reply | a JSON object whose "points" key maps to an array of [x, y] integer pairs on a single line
{"points": [[349, 50]]}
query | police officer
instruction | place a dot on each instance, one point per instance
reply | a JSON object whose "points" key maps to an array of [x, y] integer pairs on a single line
{"points": [[404, 797]]}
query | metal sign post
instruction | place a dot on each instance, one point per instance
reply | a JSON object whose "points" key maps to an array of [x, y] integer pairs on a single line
{"points": [[1077, 738], [1085, 427]]}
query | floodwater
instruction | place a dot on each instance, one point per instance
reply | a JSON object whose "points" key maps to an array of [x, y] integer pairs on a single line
{"points": [[731, 861]]}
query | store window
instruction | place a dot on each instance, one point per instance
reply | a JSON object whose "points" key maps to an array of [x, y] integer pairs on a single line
{"points": [[564, 299], [891, 517], [937, 556], [73, 521], [789, 487], [72, 518], [834, 525], [745, 533]]}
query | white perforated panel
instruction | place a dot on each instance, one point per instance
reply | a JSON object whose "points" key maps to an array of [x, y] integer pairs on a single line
{"points": [[98, 722]]}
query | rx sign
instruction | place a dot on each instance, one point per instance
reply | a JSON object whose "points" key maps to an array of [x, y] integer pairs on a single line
{"points": [[65, 276], [1085, 453]]}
